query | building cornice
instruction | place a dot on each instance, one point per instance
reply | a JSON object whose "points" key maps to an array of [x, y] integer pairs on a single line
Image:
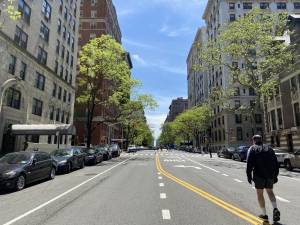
{"points": [[207, 9]]}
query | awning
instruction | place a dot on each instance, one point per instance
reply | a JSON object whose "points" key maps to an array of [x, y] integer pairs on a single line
{"points": [[43, 129]]}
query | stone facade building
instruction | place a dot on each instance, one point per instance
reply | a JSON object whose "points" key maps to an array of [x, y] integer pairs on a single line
{"points": [[177, 107], [38, 56], [227, 128], [197, 79], [282, 112]]}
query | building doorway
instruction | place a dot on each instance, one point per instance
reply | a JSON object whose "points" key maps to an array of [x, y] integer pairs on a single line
{"points": [[290, 143], [8, 141]]}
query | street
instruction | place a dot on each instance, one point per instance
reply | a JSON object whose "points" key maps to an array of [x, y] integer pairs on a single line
{"points": [[149, 188]]}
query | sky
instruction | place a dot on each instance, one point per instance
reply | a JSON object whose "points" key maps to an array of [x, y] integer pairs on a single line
{"points": [[158, 34]]}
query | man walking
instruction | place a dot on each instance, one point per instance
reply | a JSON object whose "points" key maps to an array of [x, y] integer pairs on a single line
{"points": [[263, 169]]}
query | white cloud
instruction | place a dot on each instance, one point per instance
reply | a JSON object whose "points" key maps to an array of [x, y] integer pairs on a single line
{"points": [[138, 59], [155, 122], [126, 12]]}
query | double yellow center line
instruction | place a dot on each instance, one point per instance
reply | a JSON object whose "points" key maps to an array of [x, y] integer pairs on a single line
{"points": [[230, 208]]}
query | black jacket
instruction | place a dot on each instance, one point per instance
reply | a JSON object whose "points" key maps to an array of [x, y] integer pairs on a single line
{"points": [[262, 161]]}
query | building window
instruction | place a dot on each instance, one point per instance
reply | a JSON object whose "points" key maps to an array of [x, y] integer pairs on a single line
{"points": [[72, 43], [279, 115], [68, 57], [68, 118], [294, 84], [93, 2], [93, 25], [72, 61], [25, 10], [247, 5], [44, 32], [237, 104], [251, 91], [42, 56], [264, 5], [71, 79], [297, 114], [37, 107], [64, 32], [23, 70], [65, 96], [46, 10], [74, 25], [258, 118], [57, 46], [40, 81], [57, 114], [21, 37], [35, 139], [61, 71], [54, 90], [61, 4], [68, 38], [232, 17], [239, 133], [273, 120], [237, 91], [49, 139], [66, 75], [281, 5], [63, 52], [59, 93], [93, 14], [12, 65], [231, 5], [238, 118], [66, 13], [59, 26], [69, 97], [13, 98], [52, 113], [62, 117], [296, 5]]}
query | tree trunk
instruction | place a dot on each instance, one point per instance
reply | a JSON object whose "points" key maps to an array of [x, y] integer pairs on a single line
{"points": [[90, 122]]}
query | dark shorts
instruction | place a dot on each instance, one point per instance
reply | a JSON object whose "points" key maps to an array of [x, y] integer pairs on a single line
{"points": [[262, 183]]}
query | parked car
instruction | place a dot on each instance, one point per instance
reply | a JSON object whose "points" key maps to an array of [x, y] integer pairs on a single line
{"points": [[281, 155], [115, 150], [92, 156], [18, 169], [240, 153], [226, 152], [131, 148], [292, 160], [69, 159], [107, 154]]}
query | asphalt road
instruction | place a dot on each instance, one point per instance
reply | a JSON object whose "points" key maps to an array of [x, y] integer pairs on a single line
{"points": [[150, 189]]}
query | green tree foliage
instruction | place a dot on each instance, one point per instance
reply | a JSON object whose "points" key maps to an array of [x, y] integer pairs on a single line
{"points": [[187, 126], [104, 78], [8, 7], [251, 40]]}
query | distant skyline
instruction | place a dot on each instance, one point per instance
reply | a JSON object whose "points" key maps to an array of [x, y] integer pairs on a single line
{"points": [[158, 34]]}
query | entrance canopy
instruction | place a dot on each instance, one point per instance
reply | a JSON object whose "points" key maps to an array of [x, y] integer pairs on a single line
{"points": [[43, 129]]}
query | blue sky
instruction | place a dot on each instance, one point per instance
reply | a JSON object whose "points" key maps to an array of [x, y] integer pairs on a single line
{"points": [[158, 34]]}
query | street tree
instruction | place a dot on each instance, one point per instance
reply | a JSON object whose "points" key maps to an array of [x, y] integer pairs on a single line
{"points": [[9, 10], [104, 80], [167, 136], [250, 50]]}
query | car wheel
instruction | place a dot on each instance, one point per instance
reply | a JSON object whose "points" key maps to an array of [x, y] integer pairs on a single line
{"points": [[52, 173], [232, 157], [20, 183], [288, 165]]}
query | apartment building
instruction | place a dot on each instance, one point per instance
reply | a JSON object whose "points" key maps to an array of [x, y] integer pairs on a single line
{"points": [[197, 78], [177, 107], [98, 17], [228, 128], [282, 112], [38, 57]]}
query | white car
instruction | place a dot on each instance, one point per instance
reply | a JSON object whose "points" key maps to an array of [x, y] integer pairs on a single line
{"points": [[131, 148], [281, 155]]}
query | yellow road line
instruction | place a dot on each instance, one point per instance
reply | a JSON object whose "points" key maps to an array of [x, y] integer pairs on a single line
{"points": [[234, 210]]}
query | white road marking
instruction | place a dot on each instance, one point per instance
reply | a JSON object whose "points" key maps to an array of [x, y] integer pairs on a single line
{"points": [[163, 195], [63, 194], [225, 175], [253, 188], [183, 166], [282, 199], [237, 180], [161, 184], [166, 214], [158, 173], [207, 167], [160, 177]]}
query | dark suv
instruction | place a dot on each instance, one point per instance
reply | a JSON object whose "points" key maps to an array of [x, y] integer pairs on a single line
{"points": [[18, 169], [241, 153]]}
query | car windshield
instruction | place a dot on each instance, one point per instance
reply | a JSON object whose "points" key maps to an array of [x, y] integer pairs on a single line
{"points": [[231, 149], [62, 152], [89, 150], [16, 158], [279, 151]]}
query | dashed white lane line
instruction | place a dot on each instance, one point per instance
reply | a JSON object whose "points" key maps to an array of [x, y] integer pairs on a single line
{"points": [[166, 214], [158, 173], [161, 184], [237, 180], [163, 196], [282, 199], [207, 167], [160, 177], [225, 175]]}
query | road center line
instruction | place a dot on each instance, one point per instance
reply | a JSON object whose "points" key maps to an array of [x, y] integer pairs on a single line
{"points": [[166, 214], [63, 194], [207, 167], [282, 199], [225, 175], [163, 196], [237, 180]]}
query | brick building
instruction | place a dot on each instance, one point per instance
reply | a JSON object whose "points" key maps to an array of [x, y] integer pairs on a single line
{"points": [[97, 17], [177, 107]]}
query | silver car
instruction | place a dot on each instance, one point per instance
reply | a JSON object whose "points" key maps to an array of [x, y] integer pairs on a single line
{"points": [[281, 155]]}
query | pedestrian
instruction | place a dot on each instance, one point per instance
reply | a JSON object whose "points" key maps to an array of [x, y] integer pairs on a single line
{"points": [[263, 169], [210, 153]]}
